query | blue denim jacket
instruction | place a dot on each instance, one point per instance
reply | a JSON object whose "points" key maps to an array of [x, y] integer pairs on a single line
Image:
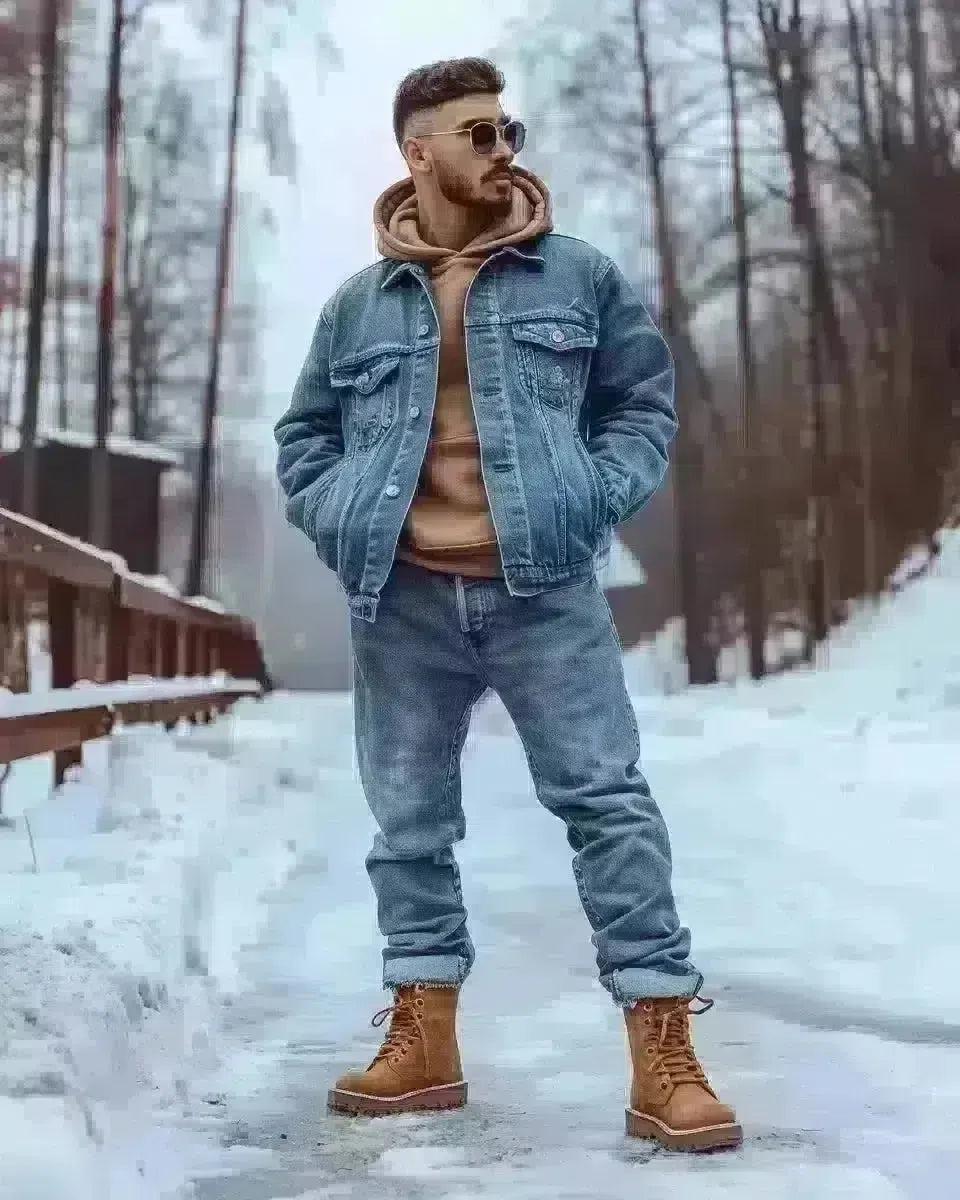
{"points": [[572, 388]]}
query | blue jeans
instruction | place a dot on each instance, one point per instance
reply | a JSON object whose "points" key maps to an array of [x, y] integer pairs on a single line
{"points": [[438, 643]]}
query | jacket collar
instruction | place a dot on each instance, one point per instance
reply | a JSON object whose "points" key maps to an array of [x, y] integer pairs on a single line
{"points": [[397, 270]]}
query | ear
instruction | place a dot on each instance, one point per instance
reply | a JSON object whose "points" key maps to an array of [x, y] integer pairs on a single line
{"points": [[417, 155]]}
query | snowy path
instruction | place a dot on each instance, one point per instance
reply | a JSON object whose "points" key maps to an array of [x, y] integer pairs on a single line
{"points": [[189, 956], [822, 936]]}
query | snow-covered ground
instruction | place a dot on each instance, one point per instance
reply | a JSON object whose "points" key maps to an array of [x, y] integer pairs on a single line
{"points": [[195, 955]]}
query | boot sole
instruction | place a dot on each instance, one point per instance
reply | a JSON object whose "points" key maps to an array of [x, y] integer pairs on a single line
{"points": [[707, 1137], [432, 1099]]}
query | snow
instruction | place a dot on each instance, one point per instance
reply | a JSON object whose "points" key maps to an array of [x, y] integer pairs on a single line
{"points": [[105, 556], [96, 695], [116, 945], [117, 444], [196, 956], [622, 567]]}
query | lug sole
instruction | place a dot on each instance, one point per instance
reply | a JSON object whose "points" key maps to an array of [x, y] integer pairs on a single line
{"points": [[432, 1099], [708, 1137]]}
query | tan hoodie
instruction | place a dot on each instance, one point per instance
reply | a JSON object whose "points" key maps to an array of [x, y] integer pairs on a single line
{"points": [[449, 527]]}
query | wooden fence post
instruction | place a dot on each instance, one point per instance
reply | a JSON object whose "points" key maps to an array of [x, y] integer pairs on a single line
{"points": [[14, 656], [118, 640], [62, 615]]}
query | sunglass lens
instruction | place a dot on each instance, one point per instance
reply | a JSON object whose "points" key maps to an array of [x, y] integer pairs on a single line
{"points": [[483, 135], [515, 134]]}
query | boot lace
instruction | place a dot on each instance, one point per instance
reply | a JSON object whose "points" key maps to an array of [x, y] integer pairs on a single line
{"points": [[406, 1028], [676, 1058]]}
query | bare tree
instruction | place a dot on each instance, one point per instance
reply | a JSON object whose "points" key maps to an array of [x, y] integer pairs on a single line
{"points": [[103, 411], [16, 95], [201, 515], [789, 58], [755, 620], [62, 282], [18, 292], [692, 391], [40, 258], [170, 223]]}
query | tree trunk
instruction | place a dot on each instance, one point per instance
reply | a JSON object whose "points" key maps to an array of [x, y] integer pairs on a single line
{"points": [[197, 563], [755, 620], [931, 391], [880, 341], [40, 263], [789, 61], [63, 415], [688, 459], [818, 625], [100, 499], [13, 358], [131, 310], [6, 303]]}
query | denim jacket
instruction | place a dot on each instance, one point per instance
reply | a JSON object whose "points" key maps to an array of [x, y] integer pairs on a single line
{"points": [[572, 388]]}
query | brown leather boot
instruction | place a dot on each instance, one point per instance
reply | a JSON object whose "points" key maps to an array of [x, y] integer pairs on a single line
{"points": [[670, 1098], [418, 1065]]}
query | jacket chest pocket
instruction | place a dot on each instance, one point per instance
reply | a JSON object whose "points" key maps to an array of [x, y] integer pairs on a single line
{"points": [[553, 357], [368, 392]]}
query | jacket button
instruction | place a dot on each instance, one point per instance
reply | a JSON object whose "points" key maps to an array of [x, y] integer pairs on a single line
{"points": [[423, 330], [363, 379], [391, 490], [415, 411], [559, 336]]}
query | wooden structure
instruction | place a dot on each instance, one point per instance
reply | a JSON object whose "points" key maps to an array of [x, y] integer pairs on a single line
{"points": [[640, 610], [106, 626], [63, 492]]}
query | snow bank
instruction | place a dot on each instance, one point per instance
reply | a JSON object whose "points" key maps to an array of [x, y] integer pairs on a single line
{"points": [[124, 900], [814, 818], [918, 609]]}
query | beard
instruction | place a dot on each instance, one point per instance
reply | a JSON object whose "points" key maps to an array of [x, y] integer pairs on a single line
{"points": [[459, 189]]}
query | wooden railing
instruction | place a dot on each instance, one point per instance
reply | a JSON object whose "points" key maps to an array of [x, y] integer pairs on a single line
{"points": [[107, 626]]}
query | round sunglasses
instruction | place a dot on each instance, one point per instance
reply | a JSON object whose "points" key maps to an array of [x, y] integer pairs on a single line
{"points": [[484, 135]]}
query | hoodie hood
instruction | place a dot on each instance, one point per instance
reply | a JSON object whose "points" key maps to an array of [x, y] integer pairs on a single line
{"points": [[396, 214]]}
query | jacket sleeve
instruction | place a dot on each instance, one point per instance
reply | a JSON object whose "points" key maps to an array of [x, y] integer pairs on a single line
{"points": [[629, 397], [309, 435]]}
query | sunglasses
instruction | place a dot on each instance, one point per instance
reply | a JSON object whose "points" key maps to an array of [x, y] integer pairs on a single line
{"points": [[484, 136]]}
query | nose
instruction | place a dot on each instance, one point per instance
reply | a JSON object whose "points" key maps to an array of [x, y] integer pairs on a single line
{"points": [[501, 153]]}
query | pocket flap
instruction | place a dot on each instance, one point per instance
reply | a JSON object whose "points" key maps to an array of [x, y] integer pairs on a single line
{"points": [[364, 377], [555, 335]]}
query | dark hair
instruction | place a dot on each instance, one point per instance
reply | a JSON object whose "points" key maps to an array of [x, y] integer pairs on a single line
{"points": [[437, 82]]}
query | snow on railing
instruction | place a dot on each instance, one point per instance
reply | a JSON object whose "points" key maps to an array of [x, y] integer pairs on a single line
{"points": [[121, 646]]}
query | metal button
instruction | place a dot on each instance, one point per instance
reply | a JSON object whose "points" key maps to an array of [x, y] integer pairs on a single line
{"points": [[423, 330], [391, 490], [363, 379], [559, 336], [415, 411]]}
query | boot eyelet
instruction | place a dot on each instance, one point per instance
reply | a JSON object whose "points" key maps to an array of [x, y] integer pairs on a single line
{"points": [[648, 1021], [420, 1002], [664, 1086], [651, 1050], [648, 1008]]}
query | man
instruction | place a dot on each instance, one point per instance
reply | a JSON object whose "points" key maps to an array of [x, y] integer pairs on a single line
{"points": [[477, 411]]}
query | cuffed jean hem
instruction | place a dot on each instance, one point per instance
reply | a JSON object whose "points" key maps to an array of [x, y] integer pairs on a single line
{"points": [[449, 970], [638, 983]]}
